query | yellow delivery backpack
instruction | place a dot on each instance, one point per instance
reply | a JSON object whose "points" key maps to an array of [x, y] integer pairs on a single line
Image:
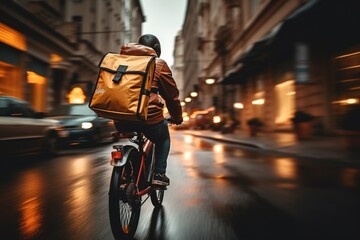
{"points": [[123, 87]]}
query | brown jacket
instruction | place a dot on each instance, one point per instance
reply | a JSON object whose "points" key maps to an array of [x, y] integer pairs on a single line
{"points": [[163, 82]]}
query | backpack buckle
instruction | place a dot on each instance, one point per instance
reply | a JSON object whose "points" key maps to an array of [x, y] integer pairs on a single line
{"points": [[119, 73]]}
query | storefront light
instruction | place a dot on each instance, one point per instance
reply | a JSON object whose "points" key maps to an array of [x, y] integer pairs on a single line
{"points": [[35, 78], [12, 37], [186, 118], [260, 101], [291, 93], [54, 58], [187, 99]]}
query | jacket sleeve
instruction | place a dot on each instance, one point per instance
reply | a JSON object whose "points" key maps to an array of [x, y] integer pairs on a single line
{"points": [[169, 91]]}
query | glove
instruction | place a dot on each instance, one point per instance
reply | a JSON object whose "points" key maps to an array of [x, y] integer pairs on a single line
{"points": [[178, 122], [172, 121]]}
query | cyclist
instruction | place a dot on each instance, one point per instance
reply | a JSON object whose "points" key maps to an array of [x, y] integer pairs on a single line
{"points": [[163, 91]]}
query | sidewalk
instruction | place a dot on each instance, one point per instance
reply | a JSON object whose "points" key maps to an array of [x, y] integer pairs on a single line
{"points": [[325, 148]]}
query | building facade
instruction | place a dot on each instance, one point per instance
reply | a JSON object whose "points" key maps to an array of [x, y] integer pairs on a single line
{"points": [[178, 66], [273, 58], [49, 50]]}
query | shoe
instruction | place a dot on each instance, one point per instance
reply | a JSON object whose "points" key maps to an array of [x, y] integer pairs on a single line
{"points": [[161, 179]]}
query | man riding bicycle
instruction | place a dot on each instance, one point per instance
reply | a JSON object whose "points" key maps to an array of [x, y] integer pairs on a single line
{"points": [[163, 91]]}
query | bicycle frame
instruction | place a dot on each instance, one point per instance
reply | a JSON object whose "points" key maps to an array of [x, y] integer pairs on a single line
{"points": [[144, 147]]}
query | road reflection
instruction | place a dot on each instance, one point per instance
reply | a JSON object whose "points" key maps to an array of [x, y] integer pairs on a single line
{"points": [[217, 191], [30, 207], [285, 168], [349, 177]]}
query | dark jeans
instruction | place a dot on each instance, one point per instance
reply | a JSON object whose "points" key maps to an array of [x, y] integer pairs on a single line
{"points": [[157, 133]]}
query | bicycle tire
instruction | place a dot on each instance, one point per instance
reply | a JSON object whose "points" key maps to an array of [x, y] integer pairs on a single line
{"points": [[157, 196], [157, 193], [124, 204]]}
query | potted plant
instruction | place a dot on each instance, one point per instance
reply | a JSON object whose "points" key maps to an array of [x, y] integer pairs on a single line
{"points": [[254, 126], [302, 123], [350, 126]]}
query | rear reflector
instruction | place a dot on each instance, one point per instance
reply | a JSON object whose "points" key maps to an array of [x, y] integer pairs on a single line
{"points": [[116, 155]]}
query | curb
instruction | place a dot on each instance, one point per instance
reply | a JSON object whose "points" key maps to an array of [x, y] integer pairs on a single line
{"points": [[227, 140], [261, 147]]}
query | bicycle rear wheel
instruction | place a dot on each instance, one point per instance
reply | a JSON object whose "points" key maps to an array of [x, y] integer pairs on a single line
{"points": [[124, 204]]}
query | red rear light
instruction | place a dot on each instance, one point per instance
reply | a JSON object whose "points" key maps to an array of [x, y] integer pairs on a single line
{"points": [[117, 155]]}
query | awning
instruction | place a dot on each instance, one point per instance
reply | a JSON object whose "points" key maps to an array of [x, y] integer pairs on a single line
{"points": [[331, 23], [233, 76], [243, 64], [259, 47]]}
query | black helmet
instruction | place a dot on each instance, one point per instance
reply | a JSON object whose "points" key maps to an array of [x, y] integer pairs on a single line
{"points": [[151, 41]]}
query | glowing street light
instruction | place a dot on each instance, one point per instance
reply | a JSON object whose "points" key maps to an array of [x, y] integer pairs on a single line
{"points": [[193, 94], [238, 105], [182, 104], [187, 99], [210, 81]]}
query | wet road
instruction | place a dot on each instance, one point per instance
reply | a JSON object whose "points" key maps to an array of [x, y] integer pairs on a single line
{"points": [[217, 191]]}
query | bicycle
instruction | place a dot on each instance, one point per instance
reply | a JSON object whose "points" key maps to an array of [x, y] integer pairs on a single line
{"points": [[133, 168]]}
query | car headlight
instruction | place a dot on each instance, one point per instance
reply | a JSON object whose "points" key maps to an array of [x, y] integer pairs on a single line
{"points": [[86, 125]]}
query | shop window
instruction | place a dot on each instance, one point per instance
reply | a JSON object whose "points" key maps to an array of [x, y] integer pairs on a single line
{"points": [[37, 90], [285, 102], [10, 80], [258, 99], [347, 90], [258, 104]]}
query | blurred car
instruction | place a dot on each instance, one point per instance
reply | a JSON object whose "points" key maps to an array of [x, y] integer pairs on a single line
{"points": [[24, 131], [200, 120], [81, 125]]}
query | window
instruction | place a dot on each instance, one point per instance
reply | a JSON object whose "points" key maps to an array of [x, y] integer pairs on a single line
{"points": [[20, 110], [3, 107], [78, 24]]}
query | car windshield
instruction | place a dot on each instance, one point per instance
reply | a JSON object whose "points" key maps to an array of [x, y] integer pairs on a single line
{"points": [[76, 109]]}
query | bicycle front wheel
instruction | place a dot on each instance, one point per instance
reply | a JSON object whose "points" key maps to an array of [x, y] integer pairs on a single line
{"points": [[124, 204], [157, 196]]}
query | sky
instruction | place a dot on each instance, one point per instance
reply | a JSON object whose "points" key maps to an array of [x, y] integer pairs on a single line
{"points": [[164, 19]]}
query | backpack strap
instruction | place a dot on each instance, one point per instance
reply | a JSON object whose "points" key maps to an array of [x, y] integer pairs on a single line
{"points": [[119, 73], [147, 92], [155, 90]]}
